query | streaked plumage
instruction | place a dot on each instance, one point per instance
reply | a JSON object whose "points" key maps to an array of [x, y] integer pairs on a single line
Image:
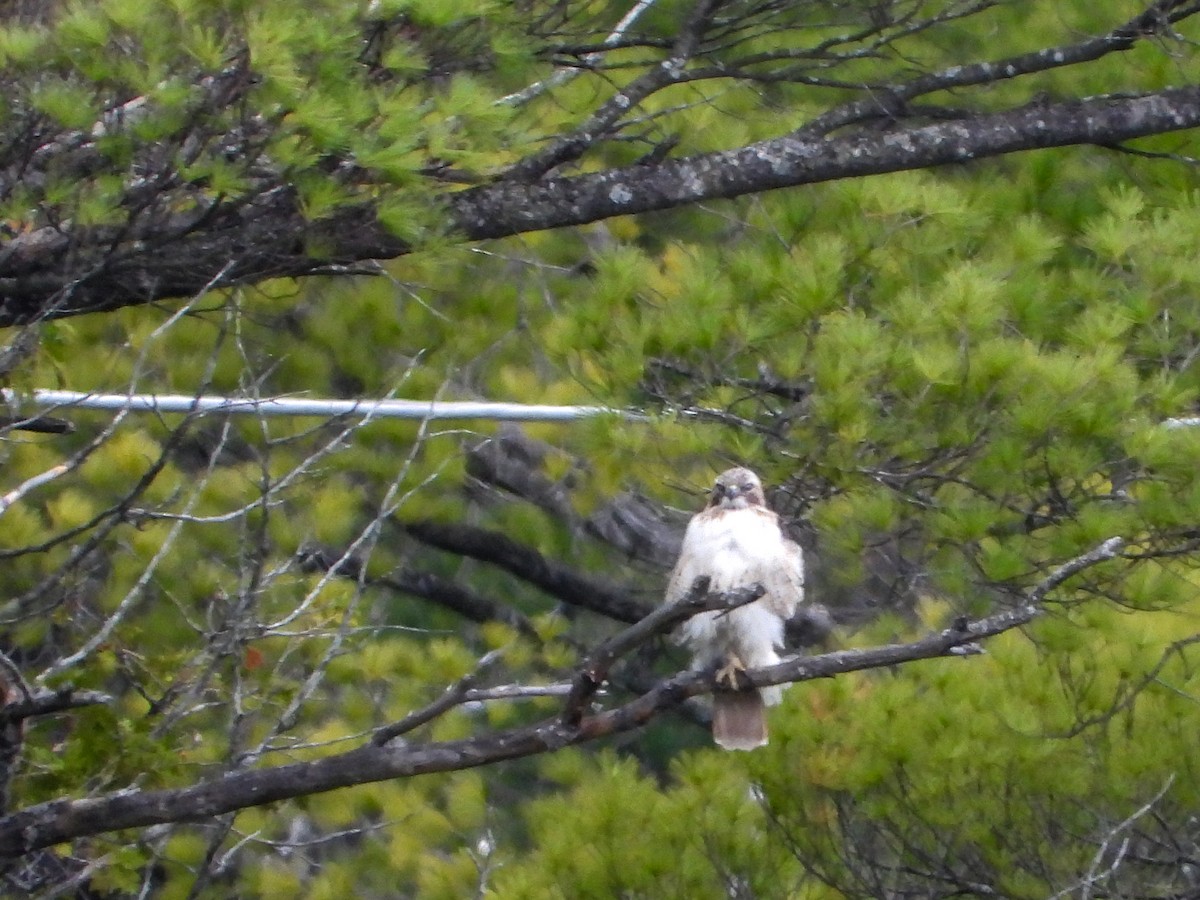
{"points": [[737, 541]]}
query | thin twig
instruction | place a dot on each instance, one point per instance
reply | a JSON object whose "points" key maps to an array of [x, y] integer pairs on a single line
{"points": [[563, 75], [1104, 551], [46, 703], [1093, 875], [451, 697]]}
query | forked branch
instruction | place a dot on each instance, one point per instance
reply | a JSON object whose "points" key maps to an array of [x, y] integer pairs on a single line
{"points": [[56, 821]]}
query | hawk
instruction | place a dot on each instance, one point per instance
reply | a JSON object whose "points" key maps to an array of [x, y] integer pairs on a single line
{"points": [[737, 541]]}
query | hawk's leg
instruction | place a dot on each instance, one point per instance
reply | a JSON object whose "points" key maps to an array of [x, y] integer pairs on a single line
{"points": [[728, 673]]}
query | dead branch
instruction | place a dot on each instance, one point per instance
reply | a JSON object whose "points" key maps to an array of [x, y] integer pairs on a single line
{"points": [[592, 674], [53, 822]]}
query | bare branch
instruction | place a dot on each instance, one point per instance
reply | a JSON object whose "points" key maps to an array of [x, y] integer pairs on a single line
{"points": [[594, 670], [46, 703], [1107, 550], [1094, 876], [527, 564], [571, 146], [890, 101], [451, 697], [563, 75], [516, 692], [60, 820]]}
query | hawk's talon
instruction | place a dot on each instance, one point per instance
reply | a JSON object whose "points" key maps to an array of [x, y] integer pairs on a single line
{"points": [[728, 673]]}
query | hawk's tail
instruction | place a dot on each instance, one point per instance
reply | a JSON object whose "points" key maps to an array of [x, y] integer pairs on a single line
{"points": [[739, 720]]}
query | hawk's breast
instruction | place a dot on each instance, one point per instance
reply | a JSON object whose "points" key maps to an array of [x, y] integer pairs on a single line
{"points": [[735, 547]]}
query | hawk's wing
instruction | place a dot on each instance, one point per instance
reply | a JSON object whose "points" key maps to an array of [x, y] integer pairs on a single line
{"points": [[784, 578], [691, 564]]}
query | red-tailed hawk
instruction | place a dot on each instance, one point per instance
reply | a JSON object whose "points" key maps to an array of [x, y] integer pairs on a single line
{"points": [[736, 541]]}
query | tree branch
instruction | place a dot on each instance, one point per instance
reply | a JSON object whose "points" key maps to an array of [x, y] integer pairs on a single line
{"points": [[56, 821], [528, 565], [61, 820], [504, 209], [569, 147], [266, 238], [416, 583], [891, 100], [595, 668], [1107, 550], [451, 697], [45, 703]]}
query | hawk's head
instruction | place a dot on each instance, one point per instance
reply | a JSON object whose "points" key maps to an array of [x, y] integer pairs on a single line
{"points": [[737, 489]]}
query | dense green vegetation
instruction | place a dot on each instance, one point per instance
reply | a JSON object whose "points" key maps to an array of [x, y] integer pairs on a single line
{"points": [[953, 380]]}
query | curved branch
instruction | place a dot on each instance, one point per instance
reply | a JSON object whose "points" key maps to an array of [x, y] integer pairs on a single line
{"points": [[527, 564], [62, 820], [56, 821], [265, 239]]}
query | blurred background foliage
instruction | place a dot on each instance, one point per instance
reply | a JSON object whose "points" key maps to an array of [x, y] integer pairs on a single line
{"points": [[953, 381]]}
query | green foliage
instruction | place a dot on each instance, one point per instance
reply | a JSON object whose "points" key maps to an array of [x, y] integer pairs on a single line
{"points": [[927, 762], [970, 384], [982, 359], [165, 77]]}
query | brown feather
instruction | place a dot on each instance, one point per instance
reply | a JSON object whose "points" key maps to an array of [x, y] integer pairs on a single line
{"points": [[739, 720]]}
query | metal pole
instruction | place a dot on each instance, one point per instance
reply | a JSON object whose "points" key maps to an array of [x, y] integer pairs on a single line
{"points": [[297, 406]]}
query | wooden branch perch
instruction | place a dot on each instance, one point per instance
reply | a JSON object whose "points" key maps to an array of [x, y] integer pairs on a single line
{"points": [[56, 821], [595, 668]]}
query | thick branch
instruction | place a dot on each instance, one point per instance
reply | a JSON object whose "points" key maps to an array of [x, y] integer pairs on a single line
{"points": [[505, 209], [528, 565], [62, 820], [595, 668], [264, 239]]}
